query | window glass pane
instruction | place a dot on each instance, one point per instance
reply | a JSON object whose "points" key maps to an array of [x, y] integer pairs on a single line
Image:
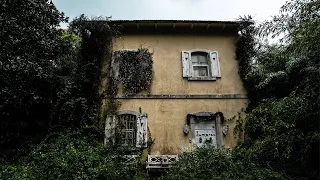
{"points": [[199, 58], [194, 59], [203, 59], [200, 71]]}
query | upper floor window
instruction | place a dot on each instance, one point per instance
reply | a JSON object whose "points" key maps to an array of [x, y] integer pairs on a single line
{"points": [[200, 64]]}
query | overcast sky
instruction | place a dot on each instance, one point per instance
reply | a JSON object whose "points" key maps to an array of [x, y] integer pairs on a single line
{"points": [[171, 9]]}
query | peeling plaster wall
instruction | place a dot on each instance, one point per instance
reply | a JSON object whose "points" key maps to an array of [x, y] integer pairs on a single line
{"points": [[166, 117]]}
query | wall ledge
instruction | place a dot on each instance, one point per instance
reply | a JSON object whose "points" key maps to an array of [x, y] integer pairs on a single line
{"points": [[186, 96]]}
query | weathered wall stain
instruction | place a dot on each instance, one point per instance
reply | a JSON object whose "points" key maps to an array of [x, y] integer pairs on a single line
{"points": [[167, 117]]}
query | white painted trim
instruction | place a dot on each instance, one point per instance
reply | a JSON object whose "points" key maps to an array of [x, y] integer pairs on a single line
{"points": [[120, 112]]}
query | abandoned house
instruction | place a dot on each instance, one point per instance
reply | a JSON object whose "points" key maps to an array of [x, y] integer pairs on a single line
{"points": [[196, 94]]}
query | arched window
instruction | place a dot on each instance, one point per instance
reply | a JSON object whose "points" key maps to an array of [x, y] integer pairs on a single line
{"points": [[199, 64], [127, 128]]}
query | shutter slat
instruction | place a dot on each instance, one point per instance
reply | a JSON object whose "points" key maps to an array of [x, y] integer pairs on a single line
{"points": [[186, 58]]}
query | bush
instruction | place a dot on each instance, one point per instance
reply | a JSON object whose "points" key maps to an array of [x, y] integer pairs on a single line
{"points": [[70, 157], [210, 163]]}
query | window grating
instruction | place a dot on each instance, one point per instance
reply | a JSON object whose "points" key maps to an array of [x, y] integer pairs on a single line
{"points": [[128, 129]]}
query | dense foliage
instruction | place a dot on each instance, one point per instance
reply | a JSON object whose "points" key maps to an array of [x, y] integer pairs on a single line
{"points": [[245, 52], [30, 46], [71, 157], [93, 64], [51, 89], [282, 130], [50, 78], [210, 163], [135, 70]]}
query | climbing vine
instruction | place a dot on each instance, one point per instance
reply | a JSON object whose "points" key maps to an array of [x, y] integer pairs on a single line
{"points": [[100, 70], [245, 45], [93, 64], [238, 131], [135, 70], [245, 50]]}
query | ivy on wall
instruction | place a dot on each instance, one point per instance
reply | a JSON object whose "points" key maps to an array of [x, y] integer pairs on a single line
{"points": [[135, 70], [93, 64], [245, 52], [245, 45]]}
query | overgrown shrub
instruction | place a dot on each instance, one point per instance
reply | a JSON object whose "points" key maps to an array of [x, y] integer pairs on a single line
{"points": [[211, 163], [29, 49], [282, 124], [71, 157]]}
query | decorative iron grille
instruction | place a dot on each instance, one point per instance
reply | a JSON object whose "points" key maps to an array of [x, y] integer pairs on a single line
{"points": [[128, 129]]}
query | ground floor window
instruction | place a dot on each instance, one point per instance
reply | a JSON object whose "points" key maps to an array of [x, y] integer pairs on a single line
{"points": [[127, 128]]}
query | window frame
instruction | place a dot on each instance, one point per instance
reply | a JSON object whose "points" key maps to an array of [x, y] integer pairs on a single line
{"points": [[141, 134], [126, 131], [192, 118], [213, 65], [207, 65]]}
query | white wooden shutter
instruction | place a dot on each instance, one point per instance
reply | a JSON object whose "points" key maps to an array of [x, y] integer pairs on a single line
{"points": [[110, 129], [115, 65], [142, 130], [215, 65], [186, 60], [219, 131]]}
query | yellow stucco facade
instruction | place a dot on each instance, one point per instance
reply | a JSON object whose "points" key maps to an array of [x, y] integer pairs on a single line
{"points": [[167, 117], [167, 66]]}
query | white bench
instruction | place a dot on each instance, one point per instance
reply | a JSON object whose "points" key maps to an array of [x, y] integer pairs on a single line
{"points": [[161, 161]]}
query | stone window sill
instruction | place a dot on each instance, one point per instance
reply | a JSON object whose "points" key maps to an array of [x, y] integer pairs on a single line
{"points": [[202, 78]]}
